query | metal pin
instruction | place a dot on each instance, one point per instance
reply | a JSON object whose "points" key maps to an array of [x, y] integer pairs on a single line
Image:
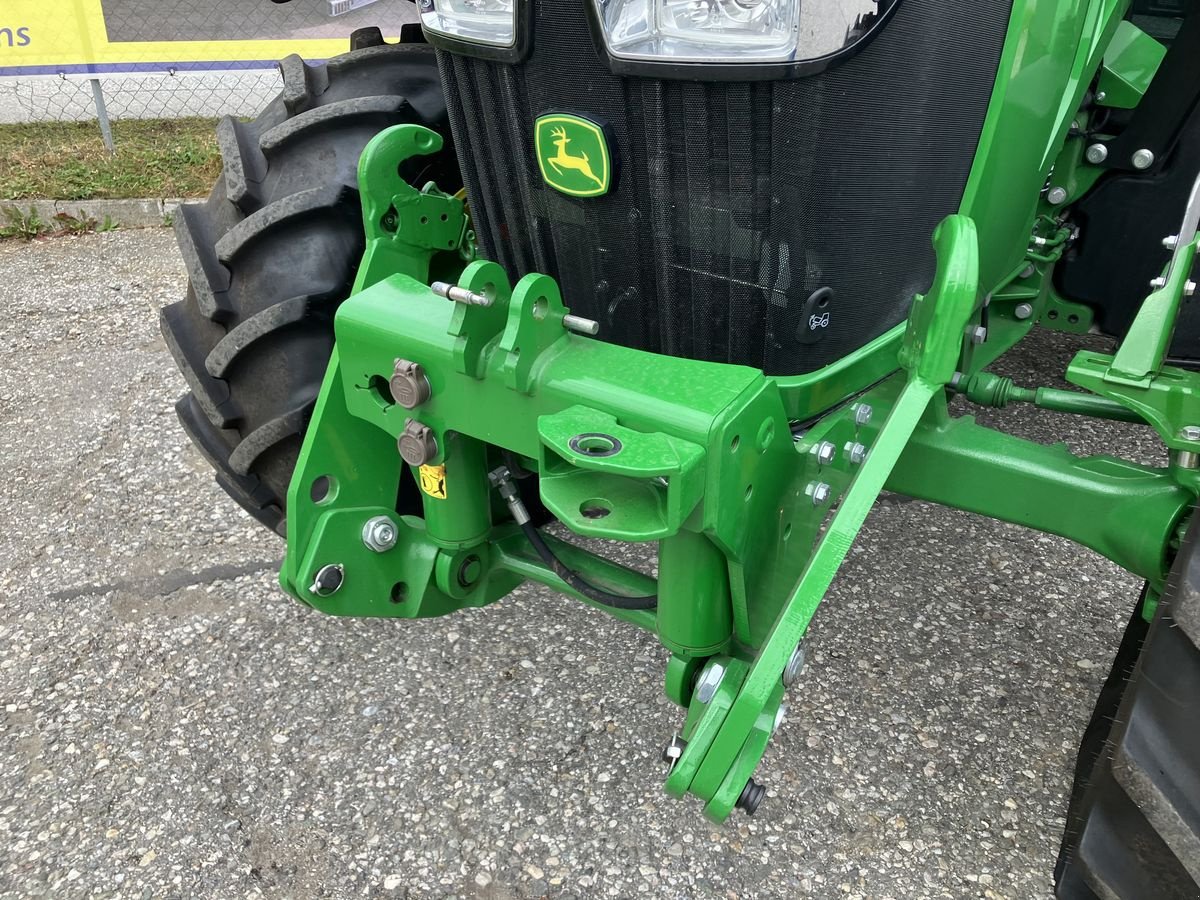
{"points": [[580, 325], [460, 295]]}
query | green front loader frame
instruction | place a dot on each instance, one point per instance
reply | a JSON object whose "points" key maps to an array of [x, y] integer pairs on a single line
{"points": [[753, 487]]}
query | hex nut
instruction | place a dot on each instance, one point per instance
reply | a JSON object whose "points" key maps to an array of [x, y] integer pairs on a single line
{"points": [[380, 534], [710, 680], [1023, 311], [825, 452]]}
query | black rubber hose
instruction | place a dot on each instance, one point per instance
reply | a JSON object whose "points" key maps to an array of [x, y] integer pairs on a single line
{"points": [[604, 598]]}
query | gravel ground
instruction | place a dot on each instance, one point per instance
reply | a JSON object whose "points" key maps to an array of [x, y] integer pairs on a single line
{"points": [[173, 726]]}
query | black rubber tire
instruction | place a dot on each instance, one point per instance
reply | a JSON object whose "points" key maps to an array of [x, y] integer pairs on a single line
{"points": [[274, 250], [1133, 826]]}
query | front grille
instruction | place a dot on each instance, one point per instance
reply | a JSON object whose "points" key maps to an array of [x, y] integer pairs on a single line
{"points": [[735, 203]]}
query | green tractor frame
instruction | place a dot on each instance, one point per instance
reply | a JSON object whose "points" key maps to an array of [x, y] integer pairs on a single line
{"points": [[538, 271]]}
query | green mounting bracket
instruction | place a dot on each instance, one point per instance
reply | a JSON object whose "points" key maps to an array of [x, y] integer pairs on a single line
{"points": [[1165, 396], [1130, 63]]}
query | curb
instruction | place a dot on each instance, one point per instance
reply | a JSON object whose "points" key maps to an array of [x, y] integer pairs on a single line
{"points": [[140, 213]]}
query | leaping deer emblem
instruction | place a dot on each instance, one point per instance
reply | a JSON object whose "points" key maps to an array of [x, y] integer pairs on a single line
{"points": [[564, 160]]}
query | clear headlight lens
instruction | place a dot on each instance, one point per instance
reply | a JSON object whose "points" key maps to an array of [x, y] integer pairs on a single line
{"points": [[479, 21], [735, 31]]}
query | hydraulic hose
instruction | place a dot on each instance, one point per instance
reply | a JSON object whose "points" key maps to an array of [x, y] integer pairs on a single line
{"points": [[502, 479]]}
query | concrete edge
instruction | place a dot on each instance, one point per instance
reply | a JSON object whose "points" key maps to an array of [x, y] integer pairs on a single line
{"points": [[147, 212]]}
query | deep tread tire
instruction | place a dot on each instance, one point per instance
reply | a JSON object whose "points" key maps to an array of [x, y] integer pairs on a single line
{"points": [[1134, 824], [274, 250]]}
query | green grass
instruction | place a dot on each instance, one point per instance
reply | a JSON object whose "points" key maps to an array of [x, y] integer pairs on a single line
{"points": [[68, 160]]}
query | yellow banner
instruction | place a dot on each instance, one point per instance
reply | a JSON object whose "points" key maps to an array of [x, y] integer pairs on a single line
{"points": [[100, 36]]}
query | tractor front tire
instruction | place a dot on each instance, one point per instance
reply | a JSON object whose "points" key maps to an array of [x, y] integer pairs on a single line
{"points": [[1133, 827], [273, 252]]}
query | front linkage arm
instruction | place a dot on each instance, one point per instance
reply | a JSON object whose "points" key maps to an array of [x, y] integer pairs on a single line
{"points": [[479, 378]]}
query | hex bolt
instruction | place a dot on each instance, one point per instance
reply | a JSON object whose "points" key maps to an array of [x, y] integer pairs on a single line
{"points": [[1101, 97], [1171, 241], [978, 334], [673, 751], [1023, 311], [409, 385], [825, 452], [1028, 271], [1158, 283], [819, 491], [1190, 432], [380, 534], [580, 325], [459, 294], [862, 413], [795, 665], [1097, 153], [1142, 159], [1189, 289], [328, 580], [710, 680], [416, 443], [857, 452], [751, 797], [1057, 196]]}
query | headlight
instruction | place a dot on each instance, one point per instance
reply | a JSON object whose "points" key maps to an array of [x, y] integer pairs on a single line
{"points": [[734, 31], [492, 22]]}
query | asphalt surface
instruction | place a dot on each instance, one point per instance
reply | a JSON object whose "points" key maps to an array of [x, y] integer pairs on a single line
{"points": [[174, 726]]}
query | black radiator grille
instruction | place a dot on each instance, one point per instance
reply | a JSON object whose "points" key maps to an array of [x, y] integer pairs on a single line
{"points": [[735, 202]]}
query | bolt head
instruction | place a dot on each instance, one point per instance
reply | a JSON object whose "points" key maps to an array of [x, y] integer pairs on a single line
{"points": [[710, 680], [819, 491], [328, 580], [825, 452], [856, 452], [1158, 283], [1171, 241], [862, 413], [1097, 153], [1143, 159], [1023, 311], [795, 665], [1190, 432], [1189, 289], [1101, 97], [380, 534], [1057, 196], [978, 334]]}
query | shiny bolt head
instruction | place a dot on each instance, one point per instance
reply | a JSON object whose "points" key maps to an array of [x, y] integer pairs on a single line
{"points": [[795, 665], [978, 334], [862, 413], [1189, 289], [1142, 159], [328, 580], [380, 534], [1190, 432], [1171, 241], [1158, 283], [1097, 153], [856, 452], [673, 751], [1101, 97], [1057, 196], [1023, 311], [819, 491], [710, 680], [825, 452]]}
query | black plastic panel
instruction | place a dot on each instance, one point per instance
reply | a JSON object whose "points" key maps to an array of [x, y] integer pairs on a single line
{"points": [[736, 202]]}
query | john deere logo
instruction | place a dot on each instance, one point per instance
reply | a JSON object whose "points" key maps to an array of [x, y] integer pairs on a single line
{"points": [[573, 155]]}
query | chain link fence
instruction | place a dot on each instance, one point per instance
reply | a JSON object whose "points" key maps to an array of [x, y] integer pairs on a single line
{"points": [[158, 74]]}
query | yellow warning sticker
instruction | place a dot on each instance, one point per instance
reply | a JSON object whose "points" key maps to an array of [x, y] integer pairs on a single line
{"points": [[433, 481]]}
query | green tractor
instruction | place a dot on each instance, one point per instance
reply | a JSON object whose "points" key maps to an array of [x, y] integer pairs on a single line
{"points": [[706, 275]]}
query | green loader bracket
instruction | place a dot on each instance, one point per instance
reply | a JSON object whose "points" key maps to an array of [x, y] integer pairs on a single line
{"points": [[753, 488]]}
